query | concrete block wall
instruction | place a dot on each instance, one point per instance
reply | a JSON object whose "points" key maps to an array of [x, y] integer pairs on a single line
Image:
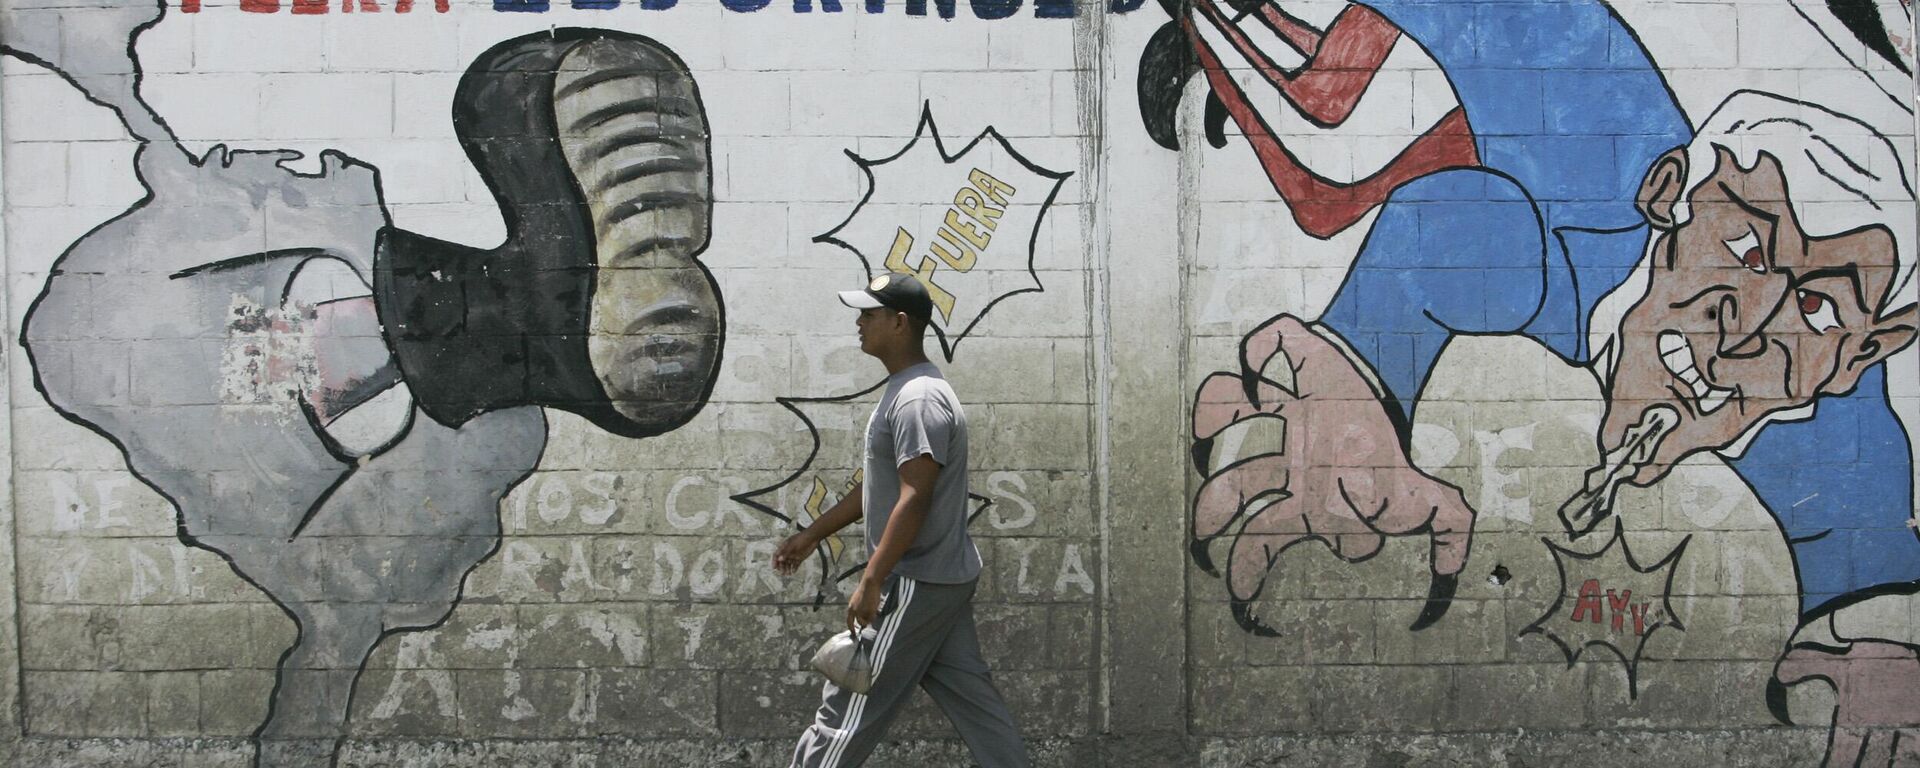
{"points": [[1452, 382]]}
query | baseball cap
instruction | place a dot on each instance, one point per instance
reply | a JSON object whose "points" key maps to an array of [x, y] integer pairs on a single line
{"points": [[893, 290]]}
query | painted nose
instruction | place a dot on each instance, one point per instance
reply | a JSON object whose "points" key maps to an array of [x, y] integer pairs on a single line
{"points": [[1735, 340]]}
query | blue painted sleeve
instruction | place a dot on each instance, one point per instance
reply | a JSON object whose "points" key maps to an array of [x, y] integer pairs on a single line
{"points": [[1459, 251], [1841, 485]]}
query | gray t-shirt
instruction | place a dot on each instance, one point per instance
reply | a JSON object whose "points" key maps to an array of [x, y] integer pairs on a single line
{"points": [[919, 414]]}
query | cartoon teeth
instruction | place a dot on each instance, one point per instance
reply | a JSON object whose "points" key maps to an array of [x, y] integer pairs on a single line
{"points": [[1677, 354]]}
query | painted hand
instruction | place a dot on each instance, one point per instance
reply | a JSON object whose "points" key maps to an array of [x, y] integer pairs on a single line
{"points": [[1876, 689], [1339, 477]]}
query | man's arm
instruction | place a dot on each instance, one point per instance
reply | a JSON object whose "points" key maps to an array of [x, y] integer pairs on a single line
{"points": [[799, 546], [917, 477]]}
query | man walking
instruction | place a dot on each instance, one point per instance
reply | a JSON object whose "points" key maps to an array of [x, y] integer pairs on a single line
{"points": [[922, 567]]}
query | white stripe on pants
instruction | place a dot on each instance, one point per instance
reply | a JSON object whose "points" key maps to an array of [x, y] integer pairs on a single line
{"points": [[889, 628], [927, 638]]}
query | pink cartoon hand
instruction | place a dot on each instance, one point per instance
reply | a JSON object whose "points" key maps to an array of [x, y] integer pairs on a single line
{"points": [[1341, 477], [1876, 689]]}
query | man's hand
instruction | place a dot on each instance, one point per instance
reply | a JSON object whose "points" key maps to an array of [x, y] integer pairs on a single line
{"points": [[794, 551], [801, 545], [1341, 477], [863, 606]]}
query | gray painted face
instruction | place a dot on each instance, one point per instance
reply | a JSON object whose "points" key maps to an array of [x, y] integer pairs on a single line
{"points": [[225, 334], [171, 331]]}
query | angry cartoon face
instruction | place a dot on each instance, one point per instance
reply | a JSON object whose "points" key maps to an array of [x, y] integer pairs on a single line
{"points": [[1745, 314]]}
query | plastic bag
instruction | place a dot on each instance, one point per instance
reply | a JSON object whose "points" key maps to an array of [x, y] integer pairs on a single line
{"points": [[846, 659]]}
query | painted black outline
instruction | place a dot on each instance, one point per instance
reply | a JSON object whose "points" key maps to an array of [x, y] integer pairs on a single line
{"points": [[138, 77], [349, 466], [927, 127], [1857, 67], [752, 498], [1440, 588], [490, 171], [1177, 9], [251, 259], [327, 441], [1401, 412], [180, 527], [1863, 19], [305, 254], [1201, 448], [1309, 58], [1667, 562], [1777, 690], [459, 595]]}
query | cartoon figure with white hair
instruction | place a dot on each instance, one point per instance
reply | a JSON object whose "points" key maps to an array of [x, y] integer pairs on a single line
{"points": [[1734, 289]]}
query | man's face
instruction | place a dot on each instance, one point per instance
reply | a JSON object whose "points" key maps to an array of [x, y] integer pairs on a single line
{"points": [[876, 329], [1745, 314]]}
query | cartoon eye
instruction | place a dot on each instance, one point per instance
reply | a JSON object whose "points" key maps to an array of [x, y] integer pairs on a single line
{"points": [[1818, 310], [1746, 250]]}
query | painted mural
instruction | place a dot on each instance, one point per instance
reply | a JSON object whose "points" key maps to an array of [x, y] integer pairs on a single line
{"points": [[1675, 329], [824, 478], [956, 256], [1548, 368], [409, 440], [336, 407], [971, 254]]}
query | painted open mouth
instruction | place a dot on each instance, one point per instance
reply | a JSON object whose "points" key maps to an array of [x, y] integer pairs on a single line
{"points": [[1677, 355]]}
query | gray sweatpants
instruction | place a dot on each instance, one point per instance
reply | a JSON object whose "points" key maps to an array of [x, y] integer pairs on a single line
{"points": [[925, 636]]}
